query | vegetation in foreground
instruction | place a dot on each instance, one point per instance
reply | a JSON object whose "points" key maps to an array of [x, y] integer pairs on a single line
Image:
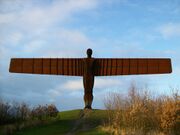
{"points": [[78, 122], [139, 113], [15, 117]]}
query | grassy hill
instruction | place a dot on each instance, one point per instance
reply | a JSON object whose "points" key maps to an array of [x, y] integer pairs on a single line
{"points": [[77, 122]]}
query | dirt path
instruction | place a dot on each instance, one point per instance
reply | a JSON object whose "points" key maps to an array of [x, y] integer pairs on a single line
{"points": [[81, 124]]}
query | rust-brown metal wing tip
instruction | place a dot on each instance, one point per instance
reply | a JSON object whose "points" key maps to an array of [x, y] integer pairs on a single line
{"points": [[10, 65], [170, 66]]}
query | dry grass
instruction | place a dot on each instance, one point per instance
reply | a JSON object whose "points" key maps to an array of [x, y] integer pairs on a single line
{"points": [[140, 114]]}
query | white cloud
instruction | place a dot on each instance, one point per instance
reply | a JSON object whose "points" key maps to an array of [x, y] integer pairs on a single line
{"points": [[106, 83], [31, 25], [176, 70], [73, 85], [54, 92], [7, 18], [170, 30], [68, 43], [99, 83], [34, 46], [73, 36], [77, 84], [15, 38], [43, 16]]}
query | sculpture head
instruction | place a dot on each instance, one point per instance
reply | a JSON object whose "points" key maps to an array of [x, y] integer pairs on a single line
{"points": [[89, 52]]}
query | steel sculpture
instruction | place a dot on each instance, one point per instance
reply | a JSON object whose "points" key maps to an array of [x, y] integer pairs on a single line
{"points": [[90, 67]]}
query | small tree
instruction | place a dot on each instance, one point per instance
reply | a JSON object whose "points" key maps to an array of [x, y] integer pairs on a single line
{"points": [[52, 110]]}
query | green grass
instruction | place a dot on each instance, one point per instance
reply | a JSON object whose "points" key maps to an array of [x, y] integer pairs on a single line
{"points": [[1, 130], [70, 121]]}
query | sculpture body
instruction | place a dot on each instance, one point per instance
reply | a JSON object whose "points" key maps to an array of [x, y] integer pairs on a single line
{"points": [[88, 79], [90, 67]]}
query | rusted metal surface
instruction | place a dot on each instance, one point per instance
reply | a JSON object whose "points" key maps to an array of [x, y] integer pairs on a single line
{"points": [[90, 67], [51, 66], [133, 66], [101, 67]]}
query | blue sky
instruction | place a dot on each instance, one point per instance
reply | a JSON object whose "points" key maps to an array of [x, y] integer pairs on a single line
{"points": [[66, 28]]}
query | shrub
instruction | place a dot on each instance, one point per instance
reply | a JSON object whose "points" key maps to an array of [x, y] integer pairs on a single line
{"points": [[5, 116], [169, 115], [17, 116], [139, 113], [44, 112], [18, 113], [52, 110]]}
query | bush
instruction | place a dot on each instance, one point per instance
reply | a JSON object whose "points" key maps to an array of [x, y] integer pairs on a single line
{"points": [[18, 113], [17, 116], [4, 112], [52, 110], [169, 115], [139, 113], [44, 112]]}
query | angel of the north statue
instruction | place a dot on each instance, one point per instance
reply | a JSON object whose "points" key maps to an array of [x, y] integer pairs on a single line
{"points": [[90, 67]]}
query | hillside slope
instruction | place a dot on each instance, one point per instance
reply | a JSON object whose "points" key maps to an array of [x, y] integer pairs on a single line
{"points": [[75, 122]]}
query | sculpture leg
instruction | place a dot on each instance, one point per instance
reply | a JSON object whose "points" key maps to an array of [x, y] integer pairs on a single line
{"points": [[88, 98], [88, 90]]}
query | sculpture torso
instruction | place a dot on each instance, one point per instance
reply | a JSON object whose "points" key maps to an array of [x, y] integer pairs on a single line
{"points": [[88, 77]]}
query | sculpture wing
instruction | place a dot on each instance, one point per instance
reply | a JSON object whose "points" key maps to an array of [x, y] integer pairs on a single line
{"points": [[51, 66], [131, 66]]}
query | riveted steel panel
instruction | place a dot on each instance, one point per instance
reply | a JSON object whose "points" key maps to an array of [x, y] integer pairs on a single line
{"points": [[28, 66], [38, 66], [133, 66], [142, 66], [153, 66], [109, 65], [70, 67], [60, 67], [165, 66], [65, 67], [126, 66], [54, 64], [119, 67], [74, 67], [114, 67], [16, 65], [46, 66]]}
